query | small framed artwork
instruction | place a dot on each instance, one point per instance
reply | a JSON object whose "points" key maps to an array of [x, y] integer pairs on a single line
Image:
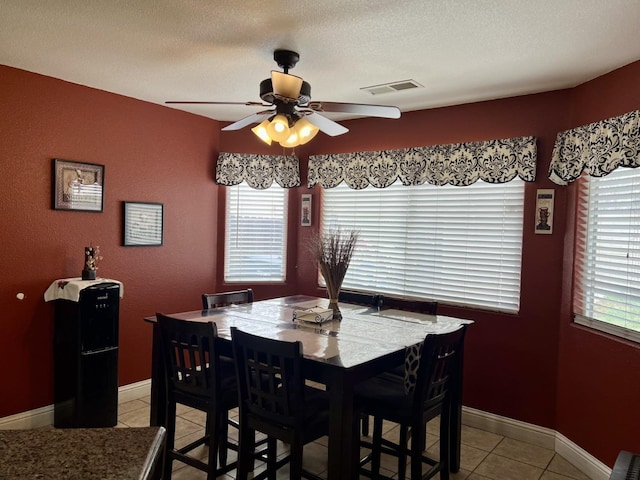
{"points": [[544, 211], [143, 224], [78, 186], [305, 216]]}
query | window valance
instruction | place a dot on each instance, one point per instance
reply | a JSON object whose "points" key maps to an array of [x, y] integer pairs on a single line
{"points": [[259, 171], [494, 161], [597, 148]]}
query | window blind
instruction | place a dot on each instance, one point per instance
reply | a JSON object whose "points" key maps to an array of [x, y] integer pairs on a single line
{"points": [[255, 243], [459, 245], [607, 267]]}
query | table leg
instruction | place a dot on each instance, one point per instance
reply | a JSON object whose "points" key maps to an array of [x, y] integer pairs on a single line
{"points": [[455, 419], [343, 431], [158, 407]]}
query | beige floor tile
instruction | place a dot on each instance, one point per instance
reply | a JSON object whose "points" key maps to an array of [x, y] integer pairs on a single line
{"points": [[563, 467], [481, 439], [547, 475], [475, 476], [470, 457], [135, 418], [524, 452], [131, 406], [501, 468], [195, 416]]}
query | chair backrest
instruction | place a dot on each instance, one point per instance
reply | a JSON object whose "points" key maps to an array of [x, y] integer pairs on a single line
{"points": [[438, 363], [189, 354], [270, 378], [429, 307], [360, 298], [223, 299]]}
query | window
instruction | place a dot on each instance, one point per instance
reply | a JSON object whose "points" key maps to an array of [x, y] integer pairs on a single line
{"points": [[459, 245], [607, 267], [255, 234]]}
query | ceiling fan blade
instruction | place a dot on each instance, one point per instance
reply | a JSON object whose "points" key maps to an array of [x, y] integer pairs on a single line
{"points": [[286, 85], [329, 127], [243, 122], [258, 104], [383, 111]]}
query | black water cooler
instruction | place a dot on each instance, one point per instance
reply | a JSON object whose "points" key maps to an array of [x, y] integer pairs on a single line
{"points": [[86, 358]]}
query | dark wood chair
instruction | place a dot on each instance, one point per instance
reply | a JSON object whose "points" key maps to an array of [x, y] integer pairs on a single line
{"points": [[274, 400], [360, 298], [223, 299], [429, 307], [199, 378], [386, 397]]}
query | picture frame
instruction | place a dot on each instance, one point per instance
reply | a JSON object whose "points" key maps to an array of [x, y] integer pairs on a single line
{"points": [[77, 186], [544, 211], [142, 224], [305, 210]]}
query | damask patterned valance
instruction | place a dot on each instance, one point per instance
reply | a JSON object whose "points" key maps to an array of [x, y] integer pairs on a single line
{"points": [[494, 161], [259, 171], [597, 148]]}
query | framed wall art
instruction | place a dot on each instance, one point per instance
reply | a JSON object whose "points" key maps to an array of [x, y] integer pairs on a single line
{"points": [[143, 224], [544, 210], [305, 204], [78, 186]]}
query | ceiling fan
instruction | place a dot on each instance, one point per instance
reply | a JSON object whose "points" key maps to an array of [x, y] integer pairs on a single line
{"points": [[293, 119]]}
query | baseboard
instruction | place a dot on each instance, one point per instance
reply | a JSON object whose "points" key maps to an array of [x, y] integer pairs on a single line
{"points": [[543, 437], [134, 391], [43, 417], [590, 466]]}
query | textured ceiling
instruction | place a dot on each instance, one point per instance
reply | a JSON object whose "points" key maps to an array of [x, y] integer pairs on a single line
{"points": [[459, 50]]}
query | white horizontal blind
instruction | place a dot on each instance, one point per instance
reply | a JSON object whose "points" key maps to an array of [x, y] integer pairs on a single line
{"points": [[458, 245], [607, 267], [255, 234]]}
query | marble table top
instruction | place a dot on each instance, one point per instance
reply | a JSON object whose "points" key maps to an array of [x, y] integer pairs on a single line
{"points": [[80, 453]]}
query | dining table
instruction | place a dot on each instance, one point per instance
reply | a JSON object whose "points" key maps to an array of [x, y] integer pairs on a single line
{"points": [[367, 341]]}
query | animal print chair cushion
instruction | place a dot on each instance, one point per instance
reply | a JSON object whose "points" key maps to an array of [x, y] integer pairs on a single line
{"points": [[411, 363]]}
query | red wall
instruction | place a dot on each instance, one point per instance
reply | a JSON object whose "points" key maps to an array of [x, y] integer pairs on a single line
{"points": [[534, 366], [598, 405], [150, 153]]}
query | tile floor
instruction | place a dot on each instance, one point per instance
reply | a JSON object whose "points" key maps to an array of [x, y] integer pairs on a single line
{"points": [[484, 456]]}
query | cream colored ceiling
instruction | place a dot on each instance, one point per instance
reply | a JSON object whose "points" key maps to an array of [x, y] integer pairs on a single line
{"points": [[459, 50]]}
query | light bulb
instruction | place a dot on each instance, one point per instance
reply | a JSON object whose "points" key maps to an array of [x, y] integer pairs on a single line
{"points": [[292, 141], [278, 129], [306, 130]]}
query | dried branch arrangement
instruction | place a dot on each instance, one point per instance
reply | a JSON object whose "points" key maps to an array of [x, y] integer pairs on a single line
{"points": [[333, 251]]}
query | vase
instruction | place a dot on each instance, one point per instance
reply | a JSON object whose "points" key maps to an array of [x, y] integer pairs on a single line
{"points": [[88, 274], [333, 304]]}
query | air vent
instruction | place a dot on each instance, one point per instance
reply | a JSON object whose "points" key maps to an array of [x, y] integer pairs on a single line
{"points": [[392, 87]]}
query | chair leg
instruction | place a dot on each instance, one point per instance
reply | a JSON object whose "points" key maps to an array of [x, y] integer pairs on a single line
{"points": [[295, 465], [365, 425], [214, 444], [223, 426], [170, 441], [245, 453], [403, 444], [272, 457], [445, 441], [376, 446]]}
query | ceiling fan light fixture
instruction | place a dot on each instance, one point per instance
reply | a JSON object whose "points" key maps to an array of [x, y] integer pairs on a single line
{"points": [[278, 129], [261, 132]]}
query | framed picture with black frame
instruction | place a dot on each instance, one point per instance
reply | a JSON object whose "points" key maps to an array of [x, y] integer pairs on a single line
{"points": [[78, 186], [142, 224]]}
